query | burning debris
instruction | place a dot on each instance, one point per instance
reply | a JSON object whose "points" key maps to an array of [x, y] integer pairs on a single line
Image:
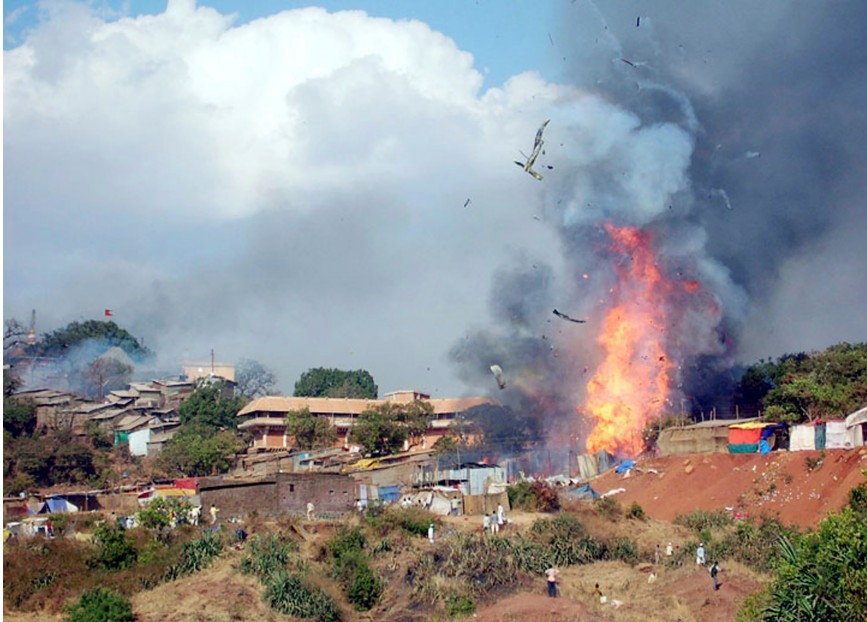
{"points": [[498, 374], [537, 149], [566, 317]]}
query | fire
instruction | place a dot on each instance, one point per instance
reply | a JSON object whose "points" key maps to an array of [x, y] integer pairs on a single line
{"points": [[631, 385]]}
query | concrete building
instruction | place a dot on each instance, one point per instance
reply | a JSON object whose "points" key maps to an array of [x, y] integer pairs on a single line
{"points": [[265, 417]]}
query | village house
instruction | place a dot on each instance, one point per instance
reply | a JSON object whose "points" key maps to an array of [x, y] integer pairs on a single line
{"points": [[265, 417]]}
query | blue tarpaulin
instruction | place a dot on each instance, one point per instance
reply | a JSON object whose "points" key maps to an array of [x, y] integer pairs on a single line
{"points": [[389, 494], [624, 466]]}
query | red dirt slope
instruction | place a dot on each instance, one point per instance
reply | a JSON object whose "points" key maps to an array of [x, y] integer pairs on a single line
{"points": [[781, 484]]}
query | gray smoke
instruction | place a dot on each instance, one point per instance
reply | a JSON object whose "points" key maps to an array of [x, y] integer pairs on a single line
{"points": [[761, 108]]}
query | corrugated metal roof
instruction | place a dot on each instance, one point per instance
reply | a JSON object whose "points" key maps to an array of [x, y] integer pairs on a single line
{"points": [[349, 406]]}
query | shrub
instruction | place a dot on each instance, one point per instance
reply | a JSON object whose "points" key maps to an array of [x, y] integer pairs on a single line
{"points": [[533, 497], [636, 511], [457, 605], [413, 520], [699, 520], [858, 499], [608, 507], [195, 556], [100, 605], [266, 555], [289, 594], [115, 551], [350, 566]]}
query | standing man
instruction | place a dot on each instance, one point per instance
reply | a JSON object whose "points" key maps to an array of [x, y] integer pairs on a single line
{"points": [[553, 576], [501, 515], [657, 556], [495, 524], [486, 522], [699, 555], [430, 533], [669, 550], [714, 571], [310, 509], [214, 511]]}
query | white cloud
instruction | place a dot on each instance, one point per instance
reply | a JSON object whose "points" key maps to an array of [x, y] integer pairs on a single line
{"points": [[292, 189]]}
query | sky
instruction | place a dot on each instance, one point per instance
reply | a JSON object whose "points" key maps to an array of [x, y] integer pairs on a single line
{"points": [[334, 186]]}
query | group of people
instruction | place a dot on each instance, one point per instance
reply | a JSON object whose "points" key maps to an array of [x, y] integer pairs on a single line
{"points": [[492, 523], [552, 574]]}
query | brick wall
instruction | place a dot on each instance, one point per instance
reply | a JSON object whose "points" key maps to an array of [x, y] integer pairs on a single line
{"points": [[328, 492], [284, 492]]}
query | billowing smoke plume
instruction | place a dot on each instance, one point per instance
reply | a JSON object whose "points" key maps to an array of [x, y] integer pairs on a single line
{"points": [[726, 133]]}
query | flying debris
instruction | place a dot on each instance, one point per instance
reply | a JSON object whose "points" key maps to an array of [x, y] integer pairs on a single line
{"points": [[498, 374], [467, 202], [752, 154], [628, 62], [638, 22], [566, 317], [537, 149]]}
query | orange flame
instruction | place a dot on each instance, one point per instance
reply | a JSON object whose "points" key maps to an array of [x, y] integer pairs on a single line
{"points": [[631, 385]]}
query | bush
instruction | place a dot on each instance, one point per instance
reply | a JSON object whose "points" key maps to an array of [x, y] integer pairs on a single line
{"points": [[290, 595], [115, 551], [196, 555], [636, 511], [100, 605], [266, 555], [414, 520], [350, 566], [533, 497], [702, 520], [457, 605], [608, 507]]}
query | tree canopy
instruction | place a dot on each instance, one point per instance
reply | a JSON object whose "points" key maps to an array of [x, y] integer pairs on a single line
{"points": [[804, 387], [310, 431], [383, 429], [322, 382], [254, 379], [107, 334], [199, 450], [207, 406]]}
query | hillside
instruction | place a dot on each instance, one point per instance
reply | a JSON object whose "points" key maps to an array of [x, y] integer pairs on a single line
{"points": [[780, 484]]}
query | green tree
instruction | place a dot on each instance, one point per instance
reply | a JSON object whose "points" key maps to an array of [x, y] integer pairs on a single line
{"points": [[107, 334], [198, 450], [799, 387], [322, 382], [208, 407], [310, 431], [19, 416], [254, 379], [379, 431]]}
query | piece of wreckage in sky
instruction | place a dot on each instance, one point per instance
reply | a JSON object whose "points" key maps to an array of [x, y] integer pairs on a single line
{"points": [[498, 374], [567, 317], [537, 149]]}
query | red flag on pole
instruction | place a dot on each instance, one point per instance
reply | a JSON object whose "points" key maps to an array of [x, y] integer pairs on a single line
{"points": [[108, 312]]}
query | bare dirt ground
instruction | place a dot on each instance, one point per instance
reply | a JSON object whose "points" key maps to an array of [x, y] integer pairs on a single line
{"points": [[780, 484]]}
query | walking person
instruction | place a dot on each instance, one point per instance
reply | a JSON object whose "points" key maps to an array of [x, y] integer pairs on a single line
{"points": [[486, 523], [214, 511], [669, 550], [553, 576], [310, 509], [430, 533], [714, 574], [699, 555], [657, 556], [495, 524], [501, 515]]}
